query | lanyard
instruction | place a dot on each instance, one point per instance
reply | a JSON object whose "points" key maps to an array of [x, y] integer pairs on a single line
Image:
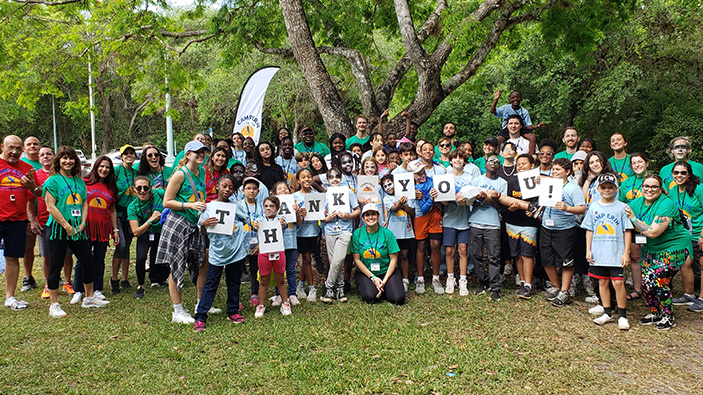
{"points": [[73, 194], [680, 198], [290, 163], [635, 188], [142, 208], [251, 222], [618, 172], [374, 246], [131, 182]]}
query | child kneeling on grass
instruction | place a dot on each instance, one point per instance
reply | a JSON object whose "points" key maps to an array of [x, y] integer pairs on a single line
{"points": [[227, 253], [608, 237]]}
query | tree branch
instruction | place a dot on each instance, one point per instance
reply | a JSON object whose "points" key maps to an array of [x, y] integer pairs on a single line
{"points": [[411, 42], [46, 2], [197, 40], [136, 112]]}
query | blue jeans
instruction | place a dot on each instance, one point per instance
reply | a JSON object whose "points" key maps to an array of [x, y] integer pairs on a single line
{"points": [[291, 256], [99, 249], [233, 274]]}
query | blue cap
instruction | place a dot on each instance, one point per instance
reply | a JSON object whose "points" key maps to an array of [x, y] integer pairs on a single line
{"points": [[194, 146]]}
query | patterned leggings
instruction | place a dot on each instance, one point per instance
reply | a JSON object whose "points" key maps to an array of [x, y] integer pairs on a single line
{"points": [[658, 269]]}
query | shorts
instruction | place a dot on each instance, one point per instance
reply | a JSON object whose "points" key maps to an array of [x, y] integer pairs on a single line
{"points": [[405, 244], [429, 225], [43, 239], [453, 237], [14, 233], [697, 253], [557, 247], [606, 272], [265, 265], [522, 240], [31, 237], [306, 245], [506, 136]]}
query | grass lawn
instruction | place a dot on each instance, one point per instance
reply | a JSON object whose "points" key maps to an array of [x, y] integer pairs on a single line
{"points": [[433, 344]]}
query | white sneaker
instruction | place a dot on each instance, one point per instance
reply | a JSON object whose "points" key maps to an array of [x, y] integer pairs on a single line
{"points": [[596, 310], [623, 324], [182, 317], [406, 284], [463, 287], [77, 297], [517, 280], [604, 319], [420, 287], [591, 299], [312, 294], [56, 311], [300, 291], [293, 300], [99, 295], [437, 286], [260, 309], [276, 300], [450, 285], [285, 309], [214, 310], [92, 301]]}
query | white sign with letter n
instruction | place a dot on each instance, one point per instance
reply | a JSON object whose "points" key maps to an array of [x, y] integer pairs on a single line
{"points": [[315, 206]]}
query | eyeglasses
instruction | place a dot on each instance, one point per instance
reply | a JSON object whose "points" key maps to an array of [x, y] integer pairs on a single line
{"points": [[545, 154], [683, 173], [651, 187], [334, 176], [141, 189], [445, 145]]}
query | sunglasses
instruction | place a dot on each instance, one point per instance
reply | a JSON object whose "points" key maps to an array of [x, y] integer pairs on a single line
{"points": [[152, 155], [445, 145], [545, 154], [676, 173], [141, 189]]}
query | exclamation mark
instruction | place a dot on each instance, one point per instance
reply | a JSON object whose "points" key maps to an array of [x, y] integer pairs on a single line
{"points": [[551, 189]]}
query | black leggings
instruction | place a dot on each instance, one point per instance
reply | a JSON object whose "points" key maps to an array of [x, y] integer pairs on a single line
{"points": [[393, 291], [57, 252], [157, 273]]}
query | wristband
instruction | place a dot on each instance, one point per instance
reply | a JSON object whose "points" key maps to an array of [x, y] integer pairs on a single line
{"points": [[115, 231], [372, 277], [181, 206], [149, 222], [82, 223]]}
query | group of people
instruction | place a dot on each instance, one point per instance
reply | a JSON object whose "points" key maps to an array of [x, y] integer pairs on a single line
{"points": [[614, 213]]}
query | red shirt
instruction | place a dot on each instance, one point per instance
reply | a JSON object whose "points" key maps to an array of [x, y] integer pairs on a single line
{"points": [[13, 195], [211, 183], [100, 200], [42, 213]]}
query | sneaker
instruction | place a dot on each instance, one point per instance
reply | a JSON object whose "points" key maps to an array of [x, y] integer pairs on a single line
{"points": [[15, 304], [588, 286], [199, 326], [92, 301], [526, 293], [300, 291], [406, 284], [548, 284], [327, 296], [420, 287], [623, 324], [56, 311], [517, 280], [140, 294], [45, 293], [285, 308], [450, 285], [312, 294], [236, 318], [28, 284], [481, 289], [596, 310], [552, 293], [342, 296], [114, 286], [591, 299], [572, 290], [666, 323], [155, 285], [77, 297], [684, 300], [520, 291], [437, 286], [182, 317], [650, 319], [125, 284], [463, 287], [254, 300], [99, 295], [603, 319], [214, 310], [293, 300], [562, 299], [260, 309], [276, 300], [697, 306], [495, 295], [68, 288]]}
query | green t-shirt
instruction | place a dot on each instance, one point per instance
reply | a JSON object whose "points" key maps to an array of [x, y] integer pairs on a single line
{"points": [[181, 155], [630, 189], [564, 154], [35, 163], [141, 211], [353, 139], [665, 173], [675, 237], [125, 180], [187, 195], [621, 167], [159, 180], [70, 193], [481, 163], [374, 248], [316, 147], [692, 207]]}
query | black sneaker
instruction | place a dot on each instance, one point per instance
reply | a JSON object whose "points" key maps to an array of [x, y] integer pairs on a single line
{"points": [[327, 296], [28, 284], [140, 293], [481, 289], [650, 319], [552, 293], [524, 292], [341, 295], [666, 323], [125, 284], [495, 296], [115, 286], [562, 299], [320, 266], [347, 286]]}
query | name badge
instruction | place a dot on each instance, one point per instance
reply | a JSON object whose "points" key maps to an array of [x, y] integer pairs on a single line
{"points": [[375, 267], [274, 257], [549, 222], [151, 237], [640, 239], [253, 241], [336, 228], [76, 212]]}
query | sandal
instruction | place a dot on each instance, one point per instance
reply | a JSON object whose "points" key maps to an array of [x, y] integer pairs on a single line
{"points": [[637, 295]]}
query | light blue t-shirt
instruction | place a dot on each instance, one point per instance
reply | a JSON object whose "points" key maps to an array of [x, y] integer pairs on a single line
{"points": [[238, 196], [307, 228], [555, 219], [226, 249], [290, 234], [289, 166], [247, 214], [608, 223], [457, 216], [472, 170], [507, 110], [436, 169], [337, 225], [399, 221], [347, 180], [486, 214]]}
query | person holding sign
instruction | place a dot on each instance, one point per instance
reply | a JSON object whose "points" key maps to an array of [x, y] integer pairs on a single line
{"points": [[144, 215], [369, 167], [338, 232], [247, 212], [308, 236], [290, 240], [399, 222], [271, 261], [608, 237], [557, 238], [375, 253], [227, 253]]}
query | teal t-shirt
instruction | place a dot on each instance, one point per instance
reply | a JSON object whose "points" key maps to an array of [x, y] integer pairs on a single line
{"points": [[675, 237], [70, 193], [563, 154], [631, 189], [665, 173], [125, 180], [353, 139], [374, 248], [187, 195], [141, 211], [35, 163], [317, 147], [621, 167], [692, 207]]}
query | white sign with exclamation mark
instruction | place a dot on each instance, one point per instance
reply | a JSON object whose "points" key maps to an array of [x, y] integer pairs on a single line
{"points": [[551, 191]]}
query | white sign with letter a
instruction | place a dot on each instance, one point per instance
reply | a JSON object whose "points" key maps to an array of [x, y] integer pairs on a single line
{"points": [[224, 212], [404, 184], [315, 206], [528, 183], [338, 200], [444, 184], [551, 191], [270, 236], [287, 210]]}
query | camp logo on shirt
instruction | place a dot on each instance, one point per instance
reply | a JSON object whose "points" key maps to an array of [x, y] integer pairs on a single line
{"points": [[73, 198], [622, 177], [198, 196], [633, 194], [10, 178], [401, 213], [605, 229], [371, 253], [97, 202], [685, 213], [247, 227]]}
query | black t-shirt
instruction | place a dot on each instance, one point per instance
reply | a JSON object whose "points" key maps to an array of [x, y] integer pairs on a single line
{"points": [[270, 175], [517, 217]]}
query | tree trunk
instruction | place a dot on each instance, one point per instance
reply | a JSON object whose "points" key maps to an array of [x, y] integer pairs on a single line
{"points": [[323, 90]]}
